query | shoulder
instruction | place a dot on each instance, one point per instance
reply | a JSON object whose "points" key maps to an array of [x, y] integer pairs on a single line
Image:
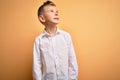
{"points": [[38, 38], [64, 33]]}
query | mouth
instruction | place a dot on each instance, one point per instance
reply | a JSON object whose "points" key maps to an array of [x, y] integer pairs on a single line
{"points": [[56, 18]]}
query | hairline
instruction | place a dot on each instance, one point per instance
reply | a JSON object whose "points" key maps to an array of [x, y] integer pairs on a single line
{"points": [[41, 13], [41, 8]]}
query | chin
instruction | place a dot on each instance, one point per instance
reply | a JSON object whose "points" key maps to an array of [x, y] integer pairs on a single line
{"points": [[56, 22]]}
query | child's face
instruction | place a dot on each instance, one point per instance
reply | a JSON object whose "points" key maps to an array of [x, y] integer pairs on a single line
{"points": [[50, 15]]}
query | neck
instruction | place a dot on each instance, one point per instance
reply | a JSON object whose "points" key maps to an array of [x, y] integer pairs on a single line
{"points": [[51, 29]]}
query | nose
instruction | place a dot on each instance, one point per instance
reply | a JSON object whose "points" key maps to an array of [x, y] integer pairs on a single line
{"points": [[56, 13]]}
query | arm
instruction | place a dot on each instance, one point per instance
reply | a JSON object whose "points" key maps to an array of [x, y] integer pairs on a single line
{"points": [[73, 67], [37, 73]]}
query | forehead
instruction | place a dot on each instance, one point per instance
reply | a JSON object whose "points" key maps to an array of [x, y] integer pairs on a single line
{"points": [[49, 7]]}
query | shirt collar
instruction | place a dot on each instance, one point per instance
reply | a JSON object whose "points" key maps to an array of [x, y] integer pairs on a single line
{"points": [[44, 33]]}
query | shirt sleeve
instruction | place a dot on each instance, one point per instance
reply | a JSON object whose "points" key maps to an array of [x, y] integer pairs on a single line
{"points": [[73, 67], [37, 73]]}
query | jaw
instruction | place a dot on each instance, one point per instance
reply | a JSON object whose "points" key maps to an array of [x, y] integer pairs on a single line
{"points": [[51, 24]]}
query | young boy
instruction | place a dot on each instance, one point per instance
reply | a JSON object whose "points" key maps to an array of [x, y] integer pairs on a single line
{"points": [[53, 56]]}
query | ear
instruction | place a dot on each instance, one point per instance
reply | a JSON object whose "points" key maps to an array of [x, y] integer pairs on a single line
{"points": [[41, 18]]}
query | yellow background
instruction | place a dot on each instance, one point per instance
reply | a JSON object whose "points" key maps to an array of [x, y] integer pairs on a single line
{"points": [[93, 24]]}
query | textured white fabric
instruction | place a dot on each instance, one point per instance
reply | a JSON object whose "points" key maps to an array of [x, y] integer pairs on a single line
{"points": [[54, 57]]}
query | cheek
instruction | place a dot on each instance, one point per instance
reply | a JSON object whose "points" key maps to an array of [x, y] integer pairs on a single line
{"points": [[49, 17]]}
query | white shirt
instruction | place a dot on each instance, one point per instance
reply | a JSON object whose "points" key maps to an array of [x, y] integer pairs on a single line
{"points": [[54, 57]]}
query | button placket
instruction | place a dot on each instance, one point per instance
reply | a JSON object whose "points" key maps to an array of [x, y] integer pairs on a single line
{"points": [[55, 56]]}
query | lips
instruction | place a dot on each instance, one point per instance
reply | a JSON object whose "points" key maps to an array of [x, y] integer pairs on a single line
{"points": [[56, 18]]}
